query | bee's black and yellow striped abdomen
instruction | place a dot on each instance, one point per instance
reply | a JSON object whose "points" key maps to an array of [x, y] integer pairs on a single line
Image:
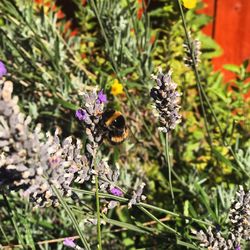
{"points": [[115, 124]]}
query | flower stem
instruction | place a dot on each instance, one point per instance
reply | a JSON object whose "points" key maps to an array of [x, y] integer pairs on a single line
{"points": [[98, 208], [170, 229], [142, 204], [169, 167]]}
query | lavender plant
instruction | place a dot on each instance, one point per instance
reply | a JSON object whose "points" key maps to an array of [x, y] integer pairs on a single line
{"points": [[33, 161], [91, 115], [51, 71], [238, 226]]}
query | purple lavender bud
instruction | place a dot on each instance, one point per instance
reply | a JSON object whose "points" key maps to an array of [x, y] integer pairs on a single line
{"points": [[116, 191], [3, 70], [81, 114], [237, 248], [69, 243], [102, 97]]}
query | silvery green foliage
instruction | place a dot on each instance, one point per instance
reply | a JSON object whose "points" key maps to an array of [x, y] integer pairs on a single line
{"points": [[118, 30], [195, 49], [54, 71], [244, 158], [239, 226], [166, 99], [32, 161]]}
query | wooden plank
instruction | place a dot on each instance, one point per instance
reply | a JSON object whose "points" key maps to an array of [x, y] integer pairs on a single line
{"points": [[231, 32]]}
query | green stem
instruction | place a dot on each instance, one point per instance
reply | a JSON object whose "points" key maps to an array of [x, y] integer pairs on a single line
{"points": [[98, 208], [4, 235], [144, 210], [173, 214], [166, 155], [169, 167], [141, 204], [72, 217], [13, 219]]}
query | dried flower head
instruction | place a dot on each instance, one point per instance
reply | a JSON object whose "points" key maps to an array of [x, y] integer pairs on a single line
{"points": [[195, 49], [166, 99]]}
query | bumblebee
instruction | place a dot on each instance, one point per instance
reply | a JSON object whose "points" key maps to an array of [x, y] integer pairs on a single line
{"points": [[114, 126]]}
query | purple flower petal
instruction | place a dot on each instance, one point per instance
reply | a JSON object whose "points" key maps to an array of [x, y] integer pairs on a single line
{"points": [[81, 114], [69, 243], [237, 248], [116, 191], [3, 70], [102, 97]]}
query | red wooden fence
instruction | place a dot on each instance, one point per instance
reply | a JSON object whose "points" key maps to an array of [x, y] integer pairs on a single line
{"points": [[230, 29]]}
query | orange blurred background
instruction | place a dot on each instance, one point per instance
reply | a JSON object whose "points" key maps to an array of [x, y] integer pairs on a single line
{"points": [[230, 30]]}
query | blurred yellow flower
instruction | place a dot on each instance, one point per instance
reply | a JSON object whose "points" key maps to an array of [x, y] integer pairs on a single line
{"points": [[189, 4], [116, 88]]}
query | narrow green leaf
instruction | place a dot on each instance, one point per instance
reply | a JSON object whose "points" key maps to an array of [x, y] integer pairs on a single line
{"points": [[124, 225], [66, 104], [233, 68], [185, 244], [72, 217], [223, 159]]}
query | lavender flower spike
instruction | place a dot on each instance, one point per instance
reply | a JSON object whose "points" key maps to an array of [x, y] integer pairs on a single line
{"points": [[195, 50], [239, 226], [3, 70], [166, 99], [69, 243]]}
